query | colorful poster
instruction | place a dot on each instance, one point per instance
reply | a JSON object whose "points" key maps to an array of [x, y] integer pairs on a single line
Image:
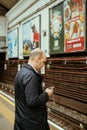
{"points": [[31, 35], [12, 39], [56, 30], [74, 25]]}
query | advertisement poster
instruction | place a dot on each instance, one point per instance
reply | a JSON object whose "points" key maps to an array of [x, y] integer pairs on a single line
{"points": [[12, 39], [31, 35], [74, 25], [56, 30]]}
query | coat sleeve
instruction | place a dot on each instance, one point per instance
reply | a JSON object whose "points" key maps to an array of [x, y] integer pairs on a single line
{"points": [[33, 95]]}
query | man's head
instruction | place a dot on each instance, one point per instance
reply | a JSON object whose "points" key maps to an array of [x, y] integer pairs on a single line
{"points": [[37, 58]]}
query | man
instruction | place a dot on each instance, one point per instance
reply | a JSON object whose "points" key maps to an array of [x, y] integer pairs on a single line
{"points": [[30, 99]]}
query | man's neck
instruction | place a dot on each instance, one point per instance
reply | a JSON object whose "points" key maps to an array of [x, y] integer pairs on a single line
{"points": [[32, 64]]}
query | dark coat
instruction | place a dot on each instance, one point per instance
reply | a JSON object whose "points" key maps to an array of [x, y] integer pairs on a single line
{"points": [[30, 101]]}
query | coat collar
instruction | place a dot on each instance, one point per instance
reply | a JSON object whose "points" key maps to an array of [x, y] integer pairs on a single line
{"points": [[26, 65]]}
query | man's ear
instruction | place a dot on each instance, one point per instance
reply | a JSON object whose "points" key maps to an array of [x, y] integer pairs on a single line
{"points": [[38, 58]]}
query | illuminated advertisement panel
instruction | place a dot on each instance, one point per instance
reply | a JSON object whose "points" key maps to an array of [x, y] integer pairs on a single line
{"points": [[31, 35], [12, 39], [56, 30], [74, 25]]}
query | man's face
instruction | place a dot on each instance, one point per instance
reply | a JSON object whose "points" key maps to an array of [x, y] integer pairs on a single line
{"points": [[40, 62]]}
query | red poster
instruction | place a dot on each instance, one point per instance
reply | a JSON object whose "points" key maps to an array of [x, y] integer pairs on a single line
{"points": [[74, 25]]}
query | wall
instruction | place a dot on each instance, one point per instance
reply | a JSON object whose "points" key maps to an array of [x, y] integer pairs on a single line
{"points": [[2, 26], [2, 33], [26, 10], [68, 106]]}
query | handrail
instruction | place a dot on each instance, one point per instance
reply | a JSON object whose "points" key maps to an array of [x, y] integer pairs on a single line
{"points": [[68, 59], [51, 59]]}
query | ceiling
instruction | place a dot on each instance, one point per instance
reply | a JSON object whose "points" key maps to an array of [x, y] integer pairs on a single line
{"points": [[6, 5]]}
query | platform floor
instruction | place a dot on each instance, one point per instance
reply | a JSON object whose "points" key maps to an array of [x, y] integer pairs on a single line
{"points": [[6, 113], [5, 124]]}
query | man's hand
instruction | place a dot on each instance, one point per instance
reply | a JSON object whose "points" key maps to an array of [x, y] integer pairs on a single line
{"points": [[49, 91]]}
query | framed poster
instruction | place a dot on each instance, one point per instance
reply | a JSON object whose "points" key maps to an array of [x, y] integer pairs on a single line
{"points": [[12, 39], [56, 30], [74, 24], [31, 35]]}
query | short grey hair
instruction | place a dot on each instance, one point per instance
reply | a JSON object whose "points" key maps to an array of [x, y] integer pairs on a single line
{"points": [[36, 52]]}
